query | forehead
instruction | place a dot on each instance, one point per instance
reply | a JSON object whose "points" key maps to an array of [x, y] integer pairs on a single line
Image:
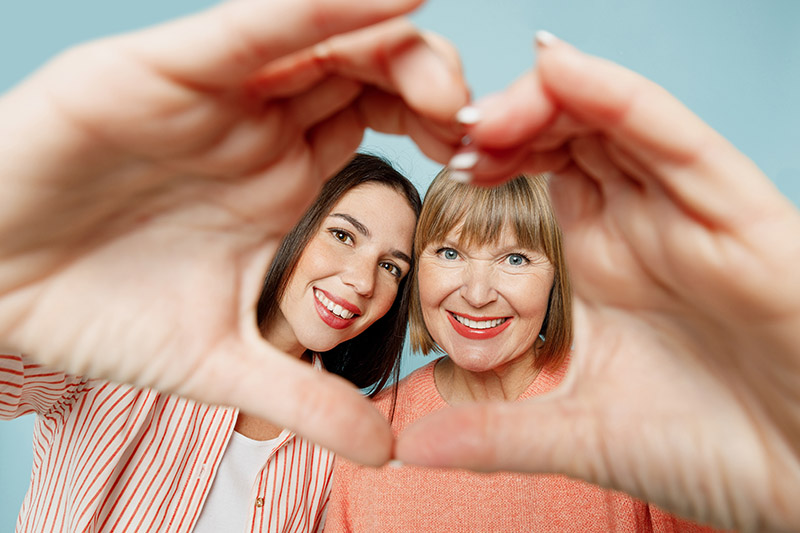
{"points": [[361, 195], [383, 210], [504, 237]]}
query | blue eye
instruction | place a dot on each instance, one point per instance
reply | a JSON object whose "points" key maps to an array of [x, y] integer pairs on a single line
{"points": [[517, 260], [447, 253]]}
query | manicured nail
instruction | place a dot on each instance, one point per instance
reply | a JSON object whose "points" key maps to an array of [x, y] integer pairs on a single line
{"points": [[468, 115], [545, 38], [395, 463], [463, 161], [461, 176]]}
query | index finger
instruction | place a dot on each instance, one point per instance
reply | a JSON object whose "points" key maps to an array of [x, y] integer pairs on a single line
{"points": [[394, 56], [684, 156], [225, 44]]}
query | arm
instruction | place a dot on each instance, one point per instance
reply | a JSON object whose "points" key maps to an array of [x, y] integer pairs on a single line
{"points": [[684, 389], [147, 179], [27, 387]]}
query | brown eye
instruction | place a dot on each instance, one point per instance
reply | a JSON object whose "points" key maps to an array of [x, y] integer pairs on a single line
{"points": [[393, 269], [341, 236]]}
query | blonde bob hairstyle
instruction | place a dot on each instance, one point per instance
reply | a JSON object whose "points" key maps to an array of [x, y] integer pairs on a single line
{"points": [[521, 205]]}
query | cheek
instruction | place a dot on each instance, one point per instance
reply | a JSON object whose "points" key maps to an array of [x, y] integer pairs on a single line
{"points": [[432, 286], [386, 299], [314, 257], [537, 297]]}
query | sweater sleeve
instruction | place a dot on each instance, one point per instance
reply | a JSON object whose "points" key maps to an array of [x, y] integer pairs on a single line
{"points": [[27, 387]]}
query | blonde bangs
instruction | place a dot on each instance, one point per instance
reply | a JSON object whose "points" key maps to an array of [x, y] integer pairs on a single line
{"points": [[484, 213]]}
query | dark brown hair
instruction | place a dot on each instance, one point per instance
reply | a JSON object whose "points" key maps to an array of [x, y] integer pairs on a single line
{"points": [[521, 205], [372, 358]]}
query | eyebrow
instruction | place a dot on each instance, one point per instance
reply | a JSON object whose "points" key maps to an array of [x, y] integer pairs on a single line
{"points": [[400, 255], [362, 229]]}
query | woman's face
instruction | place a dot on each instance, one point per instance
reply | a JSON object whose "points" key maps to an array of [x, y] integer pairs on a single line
{"points": [[349, 273], [484, 305]]}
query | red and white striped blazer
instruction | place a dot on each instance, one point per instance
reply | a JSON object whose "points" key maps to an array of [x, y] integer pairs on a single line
{"points": [[110, 457]]}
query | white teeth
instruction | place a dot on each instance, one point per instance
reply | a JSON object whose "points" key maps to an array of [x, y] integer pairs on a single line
{"points": [[336, 309], [479, 324]]}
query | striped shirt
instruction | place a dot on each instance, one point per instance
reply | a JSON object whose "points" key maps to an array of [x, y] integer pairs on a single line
{"points": [[109, 457]]}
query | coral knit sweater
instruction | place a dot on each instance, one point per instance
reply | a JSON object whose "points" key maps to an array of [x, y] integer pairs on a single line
{"points": [[411, 499]]}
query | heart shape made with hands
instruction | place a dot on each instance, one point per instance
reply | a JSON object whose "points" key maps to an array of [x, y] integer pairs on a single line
{"points": [[178, 156]]}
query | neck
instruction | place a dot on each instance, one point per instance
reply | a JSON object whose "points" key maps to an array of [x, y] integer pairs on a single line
{"points": [[505, 384]]}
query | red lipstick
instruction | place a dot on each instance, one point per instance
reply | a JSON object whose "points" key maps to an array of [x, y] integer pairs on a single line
{"points": [[478, 334], [332, 320]]}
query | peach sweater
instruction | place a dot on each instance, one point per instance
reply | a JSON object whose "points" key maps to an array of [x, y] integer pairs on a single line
{"points": [[411, 499]]}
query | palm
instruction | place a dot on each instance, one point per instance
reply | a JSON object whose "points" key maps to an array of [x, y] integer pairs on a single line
{"points": [[181, 231], [683, 384], [671, 296], [176, 160]]}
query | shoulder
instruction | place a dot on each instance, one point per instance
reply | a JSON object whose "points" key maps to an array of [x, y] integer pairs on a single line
{"points": [[33, 387]]}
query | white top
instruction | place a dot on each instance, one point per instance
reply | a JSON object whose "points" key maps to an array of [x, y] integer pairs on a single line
{"points": [[227, 507]]}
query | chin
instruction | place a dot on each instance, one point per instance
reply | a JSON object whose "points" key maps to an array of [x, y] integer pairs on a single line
{"points": [[320, 347], [474, 363], [324, 345]]}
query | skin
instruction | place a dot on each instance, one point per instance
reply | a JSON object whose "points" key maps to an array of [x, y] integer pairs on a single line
{"points": [[684, 386], [149, 177], [500, 280], [358, 255]]}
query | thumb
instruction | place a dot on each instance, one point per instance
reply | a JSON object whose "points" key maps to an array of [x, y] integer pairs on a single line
{"points": [[323, 408], [547, 434]]}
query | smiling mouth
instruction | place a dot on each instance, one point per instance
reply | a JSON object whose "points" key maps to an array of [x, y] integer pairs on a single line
{"points": [[479, 324], [334, 308]]}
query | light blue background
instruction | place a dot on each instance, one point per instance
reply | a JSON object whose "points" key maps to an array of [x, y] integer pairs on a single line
{"points": [[736, 63]]}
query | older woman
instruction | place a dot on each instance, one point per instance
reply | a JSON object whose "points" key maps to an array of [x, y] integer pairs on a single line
{"points": [[493, 295]]}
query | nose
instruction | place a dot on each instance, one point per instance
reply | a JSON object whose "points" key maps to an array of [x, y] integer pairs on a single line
{"points": [[360, 275], [478, 285]]}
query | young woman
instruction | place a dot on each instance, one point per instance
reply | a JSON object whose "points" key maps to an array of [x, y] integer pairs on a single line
{"points": [[111, 457]]}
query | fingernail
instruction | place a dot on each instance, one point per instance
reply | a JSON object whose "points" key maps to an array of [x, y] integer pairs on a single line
{"points": [[545, 38], [463, 161], [395, 463], [468, 115], [461, 176]]}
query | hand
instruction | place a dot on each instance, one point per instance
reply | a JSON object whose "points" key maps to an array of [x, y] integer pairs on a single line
{"points": [[684, 385], [148, 179]]}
